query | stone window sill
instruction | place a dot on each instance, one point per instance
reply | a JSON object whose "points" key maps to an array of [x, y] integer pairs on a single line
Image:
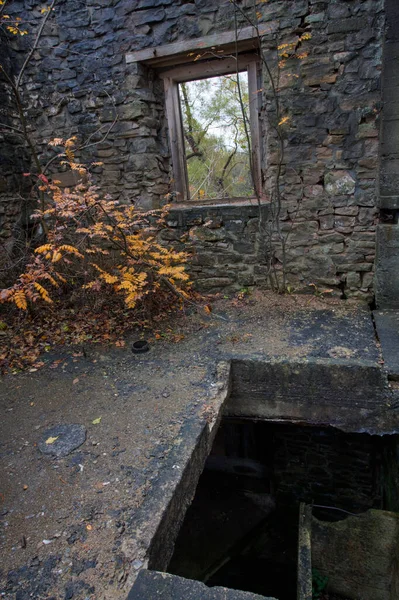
{"points": [[220, 203]]}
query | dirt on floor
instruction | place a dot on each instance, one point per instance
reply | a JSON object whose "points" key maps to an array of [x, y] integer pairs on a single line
{"points": [[67, 522]]}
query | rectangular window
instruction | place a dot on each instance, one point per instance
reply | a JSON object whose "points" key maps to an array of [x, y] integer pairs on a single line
{"points": [[216, 131], [213, 116]]}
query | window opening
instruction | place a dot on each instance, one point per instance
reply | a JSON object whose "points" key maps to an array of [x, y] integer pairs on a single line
{"points": [[209, 128], [216, 126]]}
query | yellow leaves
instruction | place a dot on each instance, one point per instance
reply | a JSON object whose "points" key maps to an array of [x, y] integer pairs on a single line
{"points": [[15, 30], [288, 46], [19, 299], [125, 257], [97, 421], [108, 278], [176, 272], [288, 50], [44, 248], [69, 154], [69, 145], [283, 120], [43, 292], [70, 250], [55, 254], [70, 142], [51, 440]]}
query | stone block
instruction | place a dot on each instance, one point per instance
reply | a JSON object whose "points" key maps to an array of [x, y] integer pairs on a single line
{"points": [[344, 223], [369, 543], [347, 25], [353, 280], [367, 216], [327, 222], [347, 211], [244, 247], [337, 183], [204, 234], [359, 267], [152, 585], [317, 390], [146, 17], [213, 283], [387, 266]]}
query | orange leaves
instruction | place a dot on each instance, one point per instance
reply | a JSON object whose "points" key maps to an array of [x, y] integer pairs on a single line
{"points": [[96, 244], [176, 272], [289, 50], [43, 292], [55, 254], [44, 248], [283, 120], [20, 299], [70, 250]]}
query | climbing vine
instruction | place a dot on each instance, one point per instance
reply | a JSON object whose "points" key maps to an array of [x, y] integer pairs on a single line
{"points": [[273, 239]]}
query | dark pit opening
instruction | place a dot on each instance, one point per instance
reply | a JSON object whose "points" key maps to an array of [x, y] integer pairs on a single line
{"points": [[241, 530]]}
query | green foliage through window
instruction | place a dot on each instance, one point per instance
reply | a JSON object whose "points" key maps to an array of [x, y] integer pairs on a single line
{"points": [[215, 122]]}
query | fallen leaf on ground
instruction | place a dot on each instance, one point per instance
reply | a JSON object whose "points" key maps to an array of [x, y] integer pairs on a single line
{"points": [[51, 440], [97, 421], [75, 380]]}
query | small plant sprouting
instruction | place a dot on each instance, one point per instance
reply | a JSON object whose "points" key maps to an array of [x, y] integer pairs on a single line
{"points": [[319, 584]]}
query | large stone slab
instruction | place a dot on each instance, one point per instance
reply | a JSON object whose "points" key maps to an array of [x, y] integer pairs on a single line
{"points": [[387, 267], [314, 391], [359, 555], [62, 439], [152, 585], [387, 324]]}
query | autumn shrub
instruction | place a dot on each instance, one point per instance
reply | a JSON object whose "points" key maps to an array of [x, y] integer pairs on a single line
{"points": [[91, 244]]}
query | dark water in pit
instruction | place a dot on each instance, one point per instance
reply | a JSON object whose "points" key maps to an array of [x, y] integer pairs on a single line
{"points": [[241, 530]]}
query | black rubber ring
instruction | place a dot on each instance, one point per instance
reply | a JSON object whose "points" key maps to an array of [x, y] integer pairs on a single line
{"points": [[140, 347]]}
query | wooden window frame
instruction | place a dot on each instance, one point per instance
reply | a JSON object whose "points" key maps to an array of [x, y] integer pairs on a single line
{"points": [[203, 70]]}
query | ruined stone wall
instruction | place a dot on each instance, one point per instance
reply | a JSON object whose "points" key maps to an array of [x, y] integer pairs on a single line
{"points": [[327, 467], [332, 101], [14, 161], [79, 82], [387, 259]]}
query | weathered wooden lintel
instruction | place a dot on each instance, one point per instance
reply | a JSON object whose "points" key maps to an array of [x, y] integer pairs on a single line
{"points": [[187, 50]]}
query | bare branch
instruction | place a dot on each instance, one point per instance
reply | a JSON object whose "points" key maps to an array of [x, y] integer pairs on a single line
{"points": [[35, 44], [15, 129]]}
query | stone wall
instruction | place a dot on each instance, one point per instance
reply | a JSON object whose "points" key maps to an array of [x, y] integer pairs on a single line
{"points": [[14, 161], [387, 259], [327, 467], [78, 82], [223, 242], [315, 465], [359, 555]]}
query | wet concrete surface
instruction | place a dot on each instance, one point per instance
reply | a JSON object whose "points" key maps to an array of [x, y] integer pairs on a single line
{"points": [[84, 525]]}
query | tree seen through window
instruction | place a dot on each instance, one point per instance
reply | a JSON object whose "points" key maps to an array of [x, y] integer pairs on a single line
{"points": [[216, 130]]}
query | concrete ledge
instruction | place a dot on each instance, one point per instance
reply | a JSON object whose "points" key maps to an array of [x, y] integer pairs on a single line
{"points": [[151, 585], [316, 391], [164, 512], [387, 267], [387, 324]]}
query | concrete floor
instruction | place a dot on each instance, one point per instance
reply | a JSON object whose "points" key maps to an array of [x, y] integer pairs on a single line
{"points": [[159, 413]]}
